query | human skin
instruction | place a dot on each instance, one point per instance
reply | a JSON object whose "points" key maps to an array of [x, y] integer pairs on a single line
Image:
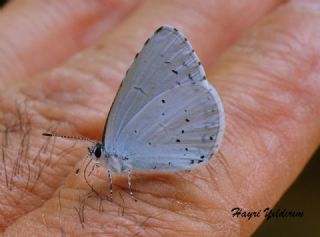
{"points": [[261, 56]]}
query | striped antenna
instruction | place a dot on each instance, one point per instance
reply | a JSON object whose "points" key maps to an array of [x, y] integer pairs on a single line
{"points": [[69, 137]]}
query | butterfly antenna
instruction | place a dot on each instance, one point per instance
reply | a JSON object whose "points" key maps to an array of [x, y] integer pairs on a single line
{"points": [[69, 137]]}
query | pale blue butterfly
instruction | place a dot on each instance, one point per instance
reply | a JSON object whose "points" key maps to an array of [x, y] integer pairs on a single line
{"points": [[165, 116]]}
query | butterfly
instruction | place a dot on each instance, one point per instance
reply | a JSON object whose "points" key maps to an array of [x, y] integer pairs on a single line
{"points": [[165, 116]]}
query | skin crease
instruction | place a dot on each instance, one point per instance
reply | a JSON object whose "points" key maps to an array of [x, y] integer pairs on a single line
{"points": [[268, 81]]}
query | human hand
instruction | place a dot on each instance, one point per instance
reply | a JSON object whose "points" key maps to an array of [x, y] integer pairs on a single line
{"points": [[268, 81]]}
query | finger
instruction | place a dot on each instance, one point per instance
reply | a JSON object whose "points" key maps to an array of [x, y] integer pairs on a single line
{"points": [[269, 84], [107, 63], [110, 59], [37, 35]]}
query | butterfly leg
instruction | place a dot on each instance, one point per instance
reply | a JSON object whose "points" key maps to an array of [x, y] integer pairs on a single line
{"points": [[110, 185], [93, 167], [129, 185]]}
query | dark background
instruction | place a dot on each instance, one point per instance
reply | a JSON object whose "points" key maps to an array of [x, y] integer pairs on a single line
{"points": [[2, 2], [303, 195]]}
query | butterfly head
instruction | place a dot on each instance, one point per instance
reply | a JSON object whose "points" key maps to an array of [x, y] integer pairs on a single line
{"points": [[96, 151]]}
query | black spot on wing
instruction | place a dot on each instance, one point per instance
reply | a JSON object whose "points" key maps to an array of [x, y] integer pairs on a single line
{"points": [[159, 29], [147, 41]]}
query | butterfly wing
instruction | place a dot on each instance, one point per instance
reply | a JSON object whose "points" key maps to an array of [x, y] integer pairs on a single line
{"points": [[165, 115]]}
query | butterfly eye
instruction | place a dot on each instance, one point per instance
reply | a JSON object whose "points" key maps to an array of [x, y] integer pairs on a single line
{"points": [[97, 152]]}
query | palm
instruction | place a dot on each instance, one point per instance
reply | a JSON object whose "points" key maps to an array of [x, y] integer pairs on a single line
{"points": [[269, 87]]}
